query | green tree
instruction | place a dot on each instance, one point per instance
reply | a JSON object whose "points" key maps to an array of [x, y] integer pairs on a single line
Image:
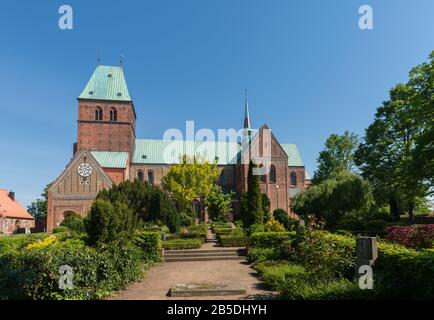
{"points": [[253, 212], [219, 204], [334, 198], [74, 222], [386, 156], [39, 208], [337, 156], [189, 179]]}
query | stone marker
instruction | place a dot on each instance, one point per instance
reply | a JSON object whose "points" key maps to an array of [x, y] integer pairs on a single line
{"points": [[205, 289], [366, 252]]}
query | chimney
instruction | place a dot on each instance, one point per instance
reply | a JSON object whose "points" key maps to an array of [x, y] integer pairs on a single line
{"points": [[12, 195]]}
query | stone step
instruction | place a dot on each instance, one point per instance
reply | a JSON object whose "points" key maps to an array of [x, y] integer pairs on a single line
{"points": [[199, 251], [201, 258], [205, 254], [199, 290]]}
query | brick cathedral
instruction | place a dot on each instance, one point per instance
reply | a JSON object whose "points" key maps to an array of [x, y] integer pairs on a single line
{"points": [[108, 152]]}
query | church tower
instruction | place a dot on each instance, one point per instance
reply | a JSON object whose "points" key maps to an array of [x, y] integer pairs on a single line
{"points": [[106, 115]]}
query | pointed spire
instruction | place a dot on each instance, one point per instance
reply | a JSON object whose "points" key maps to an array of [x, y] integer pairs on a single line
{"points": [[246, 113]]}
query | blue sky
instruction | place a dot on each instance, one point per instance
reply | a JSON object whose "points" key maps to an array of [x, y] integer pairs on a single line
{"points": [[309, 69]]}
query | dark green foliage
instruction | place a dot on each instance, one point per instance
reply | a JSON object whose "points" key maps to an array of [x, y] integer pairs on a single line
{"points": [[74, 222], [265, 206], [108, 222], [233, 240], [255, 228], [186, 219], [283, 217], [150, 245], [60, 229], [182, 244], [270, 239], [39, 208], [333, 199], [252, 211], [219, 204]]}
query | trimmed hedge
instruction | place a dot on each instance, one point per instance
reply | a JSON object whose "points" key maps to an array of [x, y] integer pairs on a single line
{"points": [[255, 255], [222, 231], [182, 244], [233, 240], [404, 273], [150, 245], [270, 239]]}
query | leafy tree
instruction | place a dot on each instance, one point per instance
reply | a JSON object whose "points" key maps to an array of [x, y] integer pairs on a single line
{"points": [[189, 179], [219, 204], [332, 199], [337, 156], [266, 205], [39, 208], [386, 156], [253, 212]]}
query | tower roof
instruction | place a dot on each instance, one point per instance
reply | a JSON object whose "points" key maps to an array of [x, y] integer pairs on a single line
{"points": [[246, 114], [106, 83]]}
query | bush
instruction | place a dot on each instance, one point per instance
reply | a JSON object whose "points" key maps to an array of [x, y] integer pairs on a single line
{"points": [[283, 217], [404, 273], [275, 276], [150, 245], [182, 244], [270, 239], [60, 229], [416, 236], [255, 255], [185, 219], [255, 228], [352, 222], [376, 225], [34, 273], [74, 222], [233, 240], [220, 231], [273, 225]]}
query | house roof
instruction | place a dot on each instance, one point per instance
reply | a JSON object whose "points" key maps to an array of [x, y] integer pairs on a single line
{"points": [[109, 159], [294, 157], [10, 208], [106, 83], [153, 151]]}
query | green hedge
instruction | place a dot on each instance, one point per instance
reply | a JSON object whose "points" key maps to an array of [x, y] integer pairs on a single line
{"points": [[150, 245], [34, 273], [255, 255], [233, 240], [219, 231], [404, 273], [182, 244], [270, 239]]}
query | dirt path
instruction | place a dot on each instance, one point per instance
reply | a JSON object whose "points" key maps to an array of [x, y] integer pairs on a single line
{"points": [[160, 278]]}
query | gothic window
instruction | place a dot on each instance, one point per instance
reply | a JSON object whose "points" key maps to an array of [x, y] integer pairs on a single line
{"points": [[98, 114], [140, 176], [272, 174], [150, 177], [293, 179], [113, 114]]}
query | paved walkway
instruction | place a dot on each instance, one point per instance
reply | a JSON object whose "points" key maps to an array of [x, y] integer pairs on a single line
{"points": [[160, 278]]}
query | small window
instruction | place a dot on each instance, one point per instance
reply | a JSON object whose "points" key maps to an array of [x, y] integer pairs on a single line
{"points": [[140, 176], [113, 114], [293, 179], [150, 177], [272, 174], [98, 114]]}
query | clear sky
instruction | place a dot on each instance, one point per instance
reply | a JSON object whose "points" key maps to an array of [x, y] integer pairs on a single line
{"points": [[309, 69]]}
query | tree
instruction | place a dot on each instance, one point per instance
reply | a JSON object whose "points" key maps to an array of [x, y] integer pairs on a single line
{"points": [[189, 179], [39, 208], [219, 204], [253, 212], [386, 156], [74, 222], [337, 156], [334, 198]]}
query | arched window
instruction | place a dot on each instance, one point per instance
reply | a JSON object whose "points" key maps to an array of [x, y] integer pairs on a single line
{"points": [[150, 177], [272, 174], [140, 176], [293, 179], [98, 114], [113, 114]]}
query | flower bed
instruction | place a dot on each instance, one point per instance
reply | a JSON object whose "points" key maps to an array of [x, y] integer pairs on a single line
{"points": [[415, 236]]}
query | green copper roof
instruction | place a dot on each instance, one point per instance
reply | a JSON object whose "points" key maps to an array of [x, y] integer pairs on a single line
{"points": [[107, 83], [294, 158], [108, 159], [168, 152], [150, 151]]}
